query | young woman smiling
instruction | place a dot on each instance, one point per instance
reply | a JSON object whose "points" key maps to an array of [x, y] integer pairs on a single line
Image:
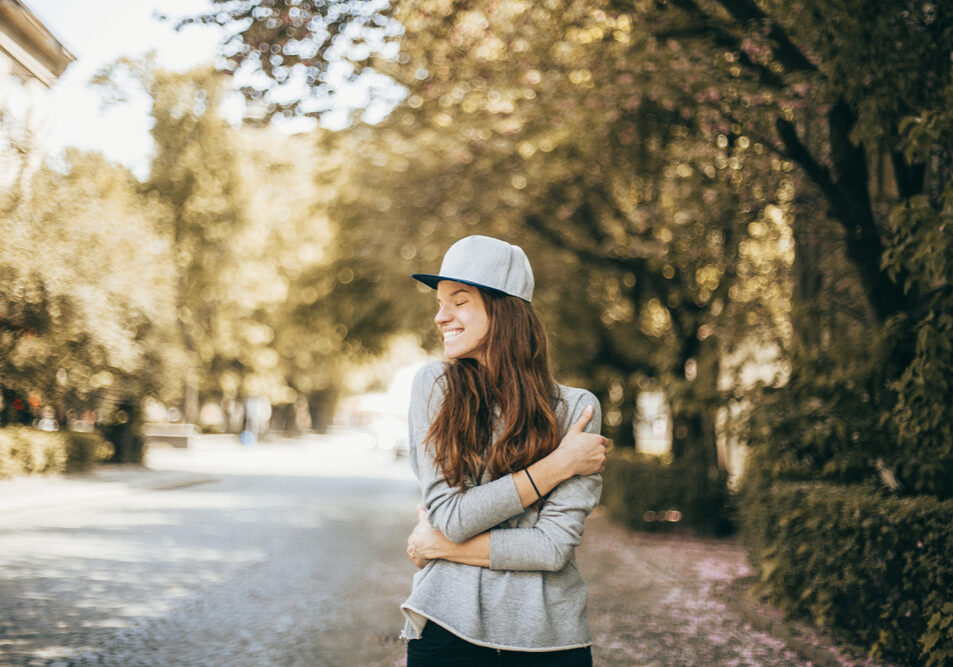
{"points": [[508, 463]]}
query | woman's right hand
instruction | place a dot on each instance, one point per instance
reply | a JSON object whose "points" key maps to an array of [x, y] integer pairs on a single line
{"points": [[418, 538], [583, 453]]}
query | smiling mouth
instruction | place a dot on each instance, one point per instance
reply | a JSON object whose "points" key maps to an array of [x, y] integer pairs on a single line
{"points": [[452, 333]]}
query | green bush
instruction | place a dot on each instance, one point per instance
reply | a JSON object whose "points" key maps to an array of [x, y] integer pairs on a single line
{"points": [[25, 450], [644, 493], [852, 557]]}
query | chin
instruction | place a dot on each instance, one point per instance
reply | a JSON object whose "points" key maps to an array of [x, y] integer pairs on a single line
{"points": [[456, 354]]}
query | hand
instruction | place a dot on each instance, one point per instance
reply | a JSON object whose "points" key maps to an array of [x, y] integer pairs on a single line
{"points": [[420, 538], [414, 557], [584, 453]]}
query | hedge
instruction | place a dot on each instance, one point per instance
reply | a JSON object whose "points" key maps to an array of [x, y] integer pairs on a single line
{"points": [[25, 450], [645, 493], [877, 566]]}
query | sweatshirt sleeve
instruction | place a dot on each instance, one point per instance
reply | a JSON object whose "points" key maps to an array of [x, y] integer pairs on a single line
{"points": [[552, 541], [458, 513]]}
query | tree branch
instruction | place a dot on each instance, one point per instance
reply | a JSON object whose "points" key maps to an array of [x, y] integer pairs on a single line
{"points": [[705, 25], [797, 151], [910, 178], [850, 205], [786, 52]]}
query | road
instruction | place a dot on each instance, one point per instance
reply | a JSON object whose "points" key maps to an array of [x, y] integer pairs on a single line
{"points": [[293, 556]]}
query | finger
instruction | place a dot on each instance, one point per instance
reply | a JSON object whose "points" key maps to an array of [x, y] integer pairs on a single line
{"points": [[583, 420]]}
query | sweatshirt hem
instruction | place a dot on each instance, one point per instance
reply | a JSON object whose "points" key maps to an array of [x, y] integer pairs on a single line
{"points": [[501, 647]]}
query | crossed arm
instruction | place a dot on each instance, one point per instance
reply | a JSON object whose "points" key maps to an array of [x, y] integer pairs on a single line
{"points": [[426, 543], [455, 523], [547, 545]]}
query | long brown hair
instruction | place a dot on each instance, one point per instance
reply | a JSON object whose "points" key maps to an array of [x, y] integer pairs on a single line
{"points": [[515, 379]]}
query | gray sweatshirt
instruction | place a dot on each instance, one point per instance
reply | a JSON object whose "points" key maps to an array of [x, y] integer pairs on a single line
{"points": [[532, 597]]}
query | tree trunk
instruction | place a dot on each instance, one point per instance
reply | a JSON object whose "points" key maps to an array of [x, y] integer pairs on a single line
{"points": [[125, 433], [190, 412], [808, 282], [693, 408], [283, 420], [321, 405], [625, 433]]}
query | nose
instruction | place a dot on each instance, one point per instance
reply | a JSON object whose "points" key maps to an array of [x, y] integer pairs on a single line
{"points": [[442, 316]]}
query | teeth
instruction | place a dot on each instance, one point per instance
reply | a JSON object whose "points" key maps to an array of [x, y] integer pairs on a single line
{"points": [[452, 333]]}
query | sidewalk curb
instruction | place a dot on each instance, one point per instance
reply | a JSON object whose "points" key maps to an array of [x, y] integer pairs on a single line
{"points": [[183, 483]]}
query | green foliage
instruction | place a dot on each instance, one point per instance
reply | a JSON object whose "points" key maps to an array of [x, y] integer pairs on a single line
{"points": [[922, 250], [644, 493], [659, 217], [923, 413], [221, 273], [87, 284], [25, 450], [562, 129], [877, 566], [825, 422]]}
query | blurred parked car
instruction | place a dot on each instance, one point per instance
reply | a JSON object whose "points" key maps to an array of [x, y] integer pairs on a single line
{"points": [[47, 424], [380, 417]]}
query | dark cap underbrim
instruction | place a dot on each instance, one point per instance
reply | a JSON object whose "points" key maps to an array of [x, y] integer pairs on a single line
{"points": [[431, 281]]}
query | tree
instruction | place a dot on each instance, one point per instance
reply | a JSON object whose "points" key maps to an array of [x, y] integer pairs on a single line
{"points": [[538, 152], [606, 190], [292, 56], [89, 311], [502, 89], [267, 306], [811, 66]]}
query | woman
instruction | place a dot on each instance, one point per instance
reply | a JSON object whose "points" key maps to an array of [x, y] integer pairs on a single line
{"points": [[508, 463]]}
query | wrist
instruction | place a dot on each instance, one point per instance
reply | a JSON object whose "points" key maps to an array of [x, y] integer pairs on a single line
{"points": [[561, 465]]}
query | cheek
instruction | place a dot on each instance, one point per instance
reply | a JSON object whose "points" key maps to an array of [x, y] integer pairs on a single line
{"points": [[482, 328]]}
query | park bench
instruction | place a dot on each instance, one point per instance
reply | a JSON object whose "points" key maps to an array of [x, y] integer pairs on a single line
{"points": [[176, 435]]}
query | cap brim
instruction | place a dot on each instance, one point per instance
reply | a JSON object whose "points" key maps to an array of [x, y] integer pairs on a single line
{"points": [[431, 281]]}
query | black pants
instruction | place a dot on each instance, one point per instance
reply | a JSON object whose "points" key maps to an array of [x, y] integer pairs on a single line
{"points": [[438, 647]]}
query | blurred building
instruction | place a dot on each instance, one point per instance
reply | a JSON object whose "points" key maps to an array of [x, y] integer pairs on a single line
{"points": [[28, 51], [31, 59]]}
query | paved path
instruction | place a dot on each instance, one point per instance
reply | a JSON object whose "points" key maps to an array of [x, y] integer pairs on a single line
{"points": [[292, 554], [662, 600]]}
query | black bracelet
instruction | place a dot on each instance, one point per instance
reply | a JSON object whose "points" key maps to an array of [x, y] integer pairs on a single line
{"points": [[529, 477]]}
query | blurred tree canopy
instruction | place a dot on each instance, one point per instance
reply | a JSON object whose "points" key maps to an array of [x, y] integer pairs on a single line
{"points": [[216, 278], [623, 205], [743, 203], [264, 307], [856, 99], [706, 172], [86, 302], [293, 57]]}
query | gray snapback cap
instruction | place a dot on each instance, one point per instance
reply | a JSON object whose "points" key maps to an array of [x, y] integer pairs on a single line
{"points": [[485, 262]]}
